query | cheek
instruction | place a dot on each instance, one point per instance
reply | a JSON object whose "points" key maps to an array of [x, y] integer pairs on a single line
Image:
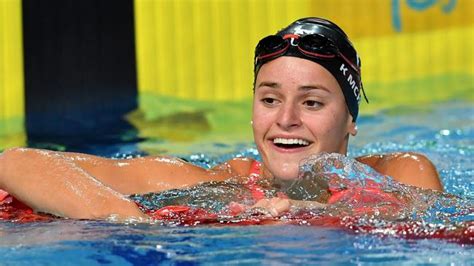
{"points": [[329, 127], [323, 127], [258, 122], [261, 117], [338, 129]]}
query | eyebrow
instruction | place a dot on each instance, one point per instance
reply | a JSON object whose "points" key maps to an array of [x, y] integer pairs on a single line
{"points": [[313, 87], [275, 85]]}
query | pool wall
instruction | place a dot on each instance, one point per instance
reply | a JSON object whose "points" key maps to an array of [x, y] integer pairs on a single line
{"points": [[152, 60]]}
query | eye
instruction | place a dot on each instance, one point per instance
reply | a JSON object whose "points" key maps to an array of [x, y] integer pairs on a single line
{"points": [[313, 104], [269, 101]]}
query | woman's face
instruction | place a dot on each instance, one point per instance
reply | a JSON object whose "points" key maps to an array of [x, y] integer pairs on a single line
{"points": [[298, 110]]}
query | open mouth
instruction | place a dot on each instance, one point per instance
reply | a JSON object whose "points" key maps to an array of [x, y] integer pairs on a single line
{"points": [[290, 143]]}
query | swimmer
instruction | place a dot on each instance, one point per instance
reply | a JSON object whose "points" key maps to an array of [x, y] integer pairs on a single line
{"points": [[307, 89]]}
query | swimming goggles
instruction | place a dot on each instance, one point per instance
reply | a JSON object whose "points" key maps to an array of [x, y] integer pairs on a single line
{"points": [[312, 45]]}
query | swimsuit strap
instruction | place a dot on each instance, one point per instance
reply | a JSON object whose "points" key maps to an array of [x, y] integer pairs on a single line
{"points": [[3, 195], [255, 168], [257, 191], [254, 175]]}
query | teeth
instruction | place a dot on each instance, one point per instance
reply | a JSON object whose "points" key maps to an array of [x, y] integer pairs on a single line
{"points": [[290, 141]]}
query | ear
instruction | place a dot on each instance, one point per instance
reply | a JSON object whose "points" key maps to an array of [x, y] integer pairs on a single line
{"points": [[352, 127]]}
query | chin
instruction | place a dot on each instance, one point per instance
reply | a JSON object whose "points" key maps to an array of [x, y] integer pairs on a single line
{"points": [[282, 172]]}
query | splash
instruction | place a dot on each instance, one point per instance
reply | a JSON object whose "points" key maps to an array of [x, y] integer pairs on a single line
{"points": [[368, 202], [363, 187], [360, 200]]}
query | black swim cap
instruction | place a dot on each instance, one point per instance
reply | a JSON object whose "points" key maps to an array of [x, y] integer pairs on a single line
{"points": [[331, 49]]}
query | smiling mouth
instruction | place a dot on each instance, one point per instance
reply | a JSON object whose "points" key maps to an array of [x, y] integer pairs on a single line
{"points": [[290, 143]]}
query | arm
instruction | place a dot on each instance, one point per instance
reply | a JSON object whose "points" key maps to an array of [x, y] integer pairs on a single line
{"points": [[48, 182], [408, 168], [85, 186], [147, 174]]}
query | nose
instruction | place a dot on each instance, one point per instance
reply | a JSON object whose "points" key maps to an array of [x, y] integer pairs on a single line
{"points": [[289, 116]]}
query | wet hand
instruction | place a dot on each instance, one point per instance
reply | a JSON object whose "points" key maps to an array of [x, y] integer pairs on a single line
{"points": [[274, 206]]}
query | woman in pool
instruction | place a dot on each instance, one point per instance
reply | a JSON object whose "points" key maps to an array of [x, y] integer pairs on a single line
{"points": [[306, 95]]}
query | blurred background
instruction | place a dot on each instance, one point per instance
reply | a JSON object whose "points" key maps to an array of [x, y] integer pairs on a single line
{"points": [[110, 71]]}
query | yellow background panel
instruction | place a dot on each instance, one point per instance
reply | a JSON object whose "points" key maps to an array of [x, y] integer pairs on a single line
{"points": [[408, 56], [203, 50], [11, 74], [362, 18]]}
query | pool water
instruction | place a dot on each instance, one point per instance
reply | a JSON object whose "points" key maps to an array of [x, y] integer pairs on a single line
{"points": [[444, 132]]}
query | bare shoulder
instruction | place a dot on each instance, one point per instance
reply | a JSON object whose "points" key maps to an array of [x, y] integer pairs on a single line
{"points": [[406, 167]]}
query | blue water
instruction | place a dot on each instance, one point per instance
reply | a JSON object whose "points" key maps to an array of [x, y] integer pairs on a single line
{"points": [[444, 132], [73, 242]]}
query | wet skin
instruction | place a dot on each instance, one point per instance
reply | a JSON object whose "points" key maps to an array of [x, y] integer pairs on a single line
{"points": [[298, 110]]}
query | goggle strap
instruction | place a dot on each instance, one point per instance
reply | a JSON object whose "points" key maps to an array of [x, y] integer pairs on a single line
{"points": [[291, 36], [349, 62], [363, 92], [281, 51], [315, 54]]}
